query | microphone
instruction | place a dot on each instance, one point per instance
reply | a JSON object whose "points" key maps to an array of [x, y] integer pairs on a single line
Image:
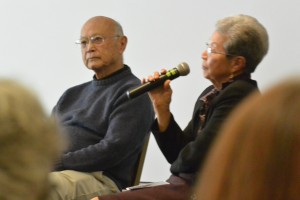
{"points": [[181, 70]]}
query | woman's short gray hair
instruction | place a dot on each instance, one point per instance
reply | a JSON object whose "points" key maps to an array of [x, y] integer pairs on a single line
{"points": [[246, 37]]}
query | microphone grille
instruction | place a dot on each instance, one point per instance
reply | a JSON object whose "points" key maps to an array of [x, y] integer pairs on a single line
{"points": [[183, 69]]}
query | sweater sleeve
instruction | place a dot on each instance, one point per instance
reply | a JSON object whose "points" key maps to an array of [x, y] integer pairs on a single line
{"points": [[127, 128]]}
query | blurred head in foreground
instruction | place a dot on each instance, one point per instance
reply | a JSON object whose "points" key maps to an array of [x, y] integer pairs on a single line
{"points": [[29, 143]]}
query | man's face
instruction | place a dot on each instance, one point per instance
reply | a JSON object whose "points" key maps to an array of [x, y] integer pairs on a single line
{"points": [[101, 46]]}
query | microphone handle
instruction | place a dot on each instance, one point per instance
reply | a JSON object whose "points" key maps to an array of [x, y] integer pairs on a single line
{"points": [[150, 85]]}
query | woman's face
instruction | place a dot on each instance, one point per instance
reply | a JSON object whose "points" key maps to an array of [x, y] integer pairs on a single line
{"points": [[217, 67]]}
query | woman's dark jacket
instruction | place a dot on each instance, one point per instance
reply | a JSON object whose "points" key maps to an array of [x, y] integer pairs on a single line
{"points": [[186, 149]]}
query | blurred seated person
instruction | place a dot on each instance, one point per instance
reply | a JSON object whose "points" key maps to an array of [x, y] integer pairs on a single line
{"points": [[29, 144], [236, 47], [257, 154]]}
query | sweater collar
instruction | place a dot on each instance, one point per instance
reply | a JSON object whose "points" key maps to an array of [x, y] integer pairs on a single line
{"points": [[113, 74], [113, 77]]}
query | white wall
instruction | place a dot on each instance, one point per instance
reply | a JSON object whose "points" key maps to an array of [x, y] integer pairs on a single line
{"points": [[37, 46]]}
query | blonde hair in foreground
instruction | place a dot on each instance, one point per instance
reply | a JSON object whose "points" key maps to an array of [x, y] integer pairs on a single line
{"points": [[29, 143], [257, 155]]}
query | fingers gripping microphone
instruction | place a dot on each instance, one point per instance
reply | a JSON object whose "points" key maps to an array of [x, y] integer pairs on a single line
{"points": [[181, 70]]}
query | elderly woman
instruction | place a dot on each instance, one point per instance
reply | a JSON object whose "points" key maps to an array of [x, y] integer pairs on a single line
{"points": [[236, 47]]}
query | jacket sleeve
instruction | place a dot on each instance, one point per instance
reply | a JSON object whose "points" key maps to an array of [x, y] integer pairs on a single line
{"points": [[193, 154], [174, 139]]}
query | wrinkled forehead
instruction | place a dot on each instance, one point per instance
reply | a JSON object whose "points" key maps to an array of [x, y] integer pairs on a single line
{"points": [[100, 26]]}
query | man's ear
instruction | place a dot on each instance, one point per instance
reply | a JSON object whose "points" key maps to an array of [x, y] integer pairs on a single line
{"points": [[123, 43]]}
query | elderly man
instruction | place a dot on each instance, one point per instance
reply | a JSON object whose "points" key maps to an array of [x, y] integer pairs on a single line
{"points": [[105, 131]]}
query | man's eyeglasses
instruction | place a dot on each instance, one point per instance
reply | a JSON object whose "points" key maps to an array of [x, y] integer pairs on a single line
{"points": [[209, 51], [96, 39]]}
